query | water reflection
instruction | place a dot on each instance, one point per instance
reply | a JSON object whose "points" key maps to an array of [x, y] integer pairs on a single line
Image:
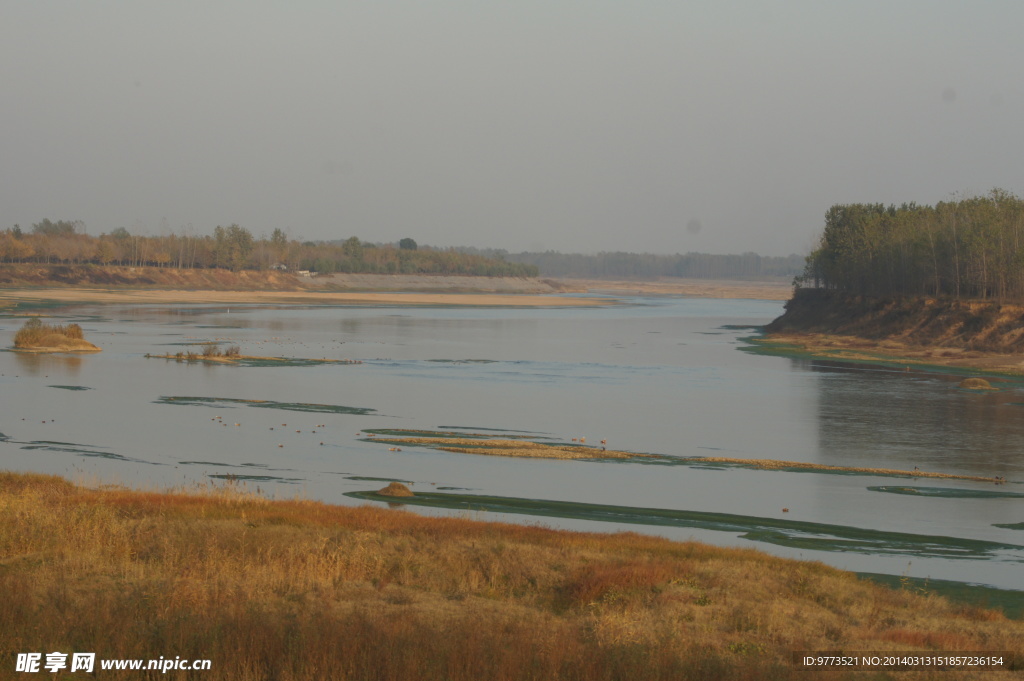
{"points": [[664, 377], [37, 363], [877, 416]]}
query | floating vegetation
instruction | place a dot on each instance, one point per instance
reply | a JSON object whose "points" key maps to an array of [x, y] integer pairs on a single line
{"points": [[790, 533], [221, 464], [1009, 601], [372, 479], [232, 355], [489, 430], [464, 361], [232, 477], [81, 450], [948, 492], [1009, 526], [798, 466], [228, 402], [70, 387], [250, 361], [406, 432]]}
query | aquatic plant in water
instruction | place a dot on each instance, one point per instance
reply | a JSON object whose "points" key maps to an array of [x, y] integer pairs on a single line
{"points": [[229, 402], [791, 533]]}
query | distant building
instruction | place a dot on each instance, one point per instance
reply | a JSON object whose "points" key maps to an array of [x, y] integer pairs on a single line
{"points": [[279, 266]]}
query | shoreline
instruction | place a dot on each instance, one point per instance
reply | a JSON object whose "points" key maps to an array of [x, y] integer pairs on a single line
{"points": [[891, 352], [426, 291], [87, 296]]}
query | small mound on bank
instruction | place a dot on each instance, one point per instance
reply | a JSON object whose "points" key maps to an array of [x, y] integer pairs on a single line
{"points": [[35, 336], [396, 489], [976, 384]]}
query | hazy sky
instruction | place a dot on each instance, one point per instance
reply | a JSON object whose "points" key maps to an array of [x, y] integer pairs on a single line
{"points": [[663, 126]]}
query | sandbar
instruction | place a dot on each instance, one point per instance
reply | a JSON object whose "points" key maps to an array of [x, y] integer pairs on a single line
{"points": [[687, 288]]}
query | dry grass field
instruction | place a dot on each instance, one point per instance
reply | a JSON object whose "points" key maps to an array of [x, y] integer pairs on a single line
{"points": [[303, 590]]}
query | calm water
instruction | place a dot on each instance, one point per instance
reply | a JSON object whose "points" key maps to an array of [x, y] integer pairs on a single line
{"points": [[666, 376]]}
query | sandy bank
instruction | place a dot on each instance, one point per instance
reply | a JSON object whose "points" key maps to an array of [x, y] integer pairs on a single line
{"points": [[149, 296], [693, 288], [981, 335], [853, 348]]}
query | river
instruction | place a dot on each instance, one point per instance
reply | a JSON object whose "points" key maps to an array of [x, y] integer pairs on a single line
{"points": [[668, 376]]}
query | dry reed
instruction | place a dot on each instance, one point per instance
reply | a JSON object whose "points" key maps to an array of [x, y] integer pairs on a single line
{"points": [[298, 589]]}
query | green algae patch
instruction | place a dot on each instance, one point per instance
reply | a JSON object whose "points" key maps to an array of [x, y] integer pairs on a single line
{"points": [[948, 492], [489, 430], [790, 533], [230, 402], [463, 361], [1009, 601], [372, 479], [803, 467], [1009, 526], [70, 387], [242, 477], [80, 450]]}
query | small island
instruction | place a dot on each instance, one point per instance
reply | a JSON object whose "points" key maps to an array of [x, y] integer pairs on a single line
{"points": [[35, 336]]}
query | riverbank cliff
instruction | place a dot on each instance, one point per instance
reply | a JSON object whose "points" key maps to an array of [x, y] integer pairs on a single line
{"points": [[975, 334]]}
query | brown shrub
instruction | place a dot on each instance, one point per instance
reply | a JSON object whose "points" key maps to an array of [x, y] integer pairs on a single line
{"points": [[34, 333], [396, 489]]}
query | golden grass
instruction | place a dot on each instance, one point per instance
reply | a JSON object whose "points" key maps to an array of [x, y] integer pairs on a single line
{"points": [[520, 448], [976, 384], [300, 590]]}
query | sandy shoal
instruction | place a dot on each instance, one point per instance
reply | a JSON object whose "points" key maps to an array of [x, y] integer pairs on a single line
{"points": [[87, 295], [691, 288]]}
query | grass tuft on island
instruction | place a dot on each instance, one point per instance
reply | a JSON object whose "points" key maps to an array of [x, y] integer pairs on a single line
{"points": [[36, 336], [232, 354], [299, 589]]}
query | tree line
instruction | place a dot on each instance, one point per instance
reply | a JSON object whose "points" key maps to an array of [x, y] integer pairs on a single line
{"points": [[967, 248], [622, 265], [235, 248]]}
